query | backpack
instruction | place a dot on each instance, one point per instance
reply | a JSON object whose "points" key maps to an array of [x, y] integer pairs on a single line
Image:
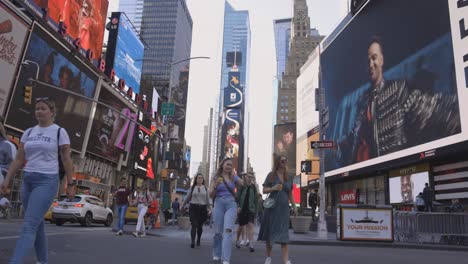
{"points": [[60, 163]]}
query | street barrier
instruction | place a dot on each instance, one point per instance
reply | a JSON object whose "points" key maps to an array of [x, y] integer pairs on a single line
{"points": [[436, 228]]}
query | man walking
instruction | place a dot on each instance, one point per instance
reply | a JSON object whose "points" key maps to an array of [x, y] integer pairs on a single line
{"points": [[313, 203], [122, 199], [175, 210], [428, 194]]}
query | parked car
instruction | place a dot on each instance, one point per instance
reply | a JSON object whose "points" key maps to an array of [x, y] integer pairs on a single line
{"points": [[83, 209]]}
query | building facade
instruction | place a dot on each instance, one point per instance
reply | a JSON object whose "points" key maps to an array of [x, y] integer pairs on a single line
{"points": [[134, 11]]}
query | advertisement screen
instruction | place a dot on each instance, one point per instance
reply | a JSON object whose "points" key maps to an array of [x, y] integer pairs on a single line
{"points": [[285, 143], [144, 149], [405, 188], [12, 37], [392, 86], [125, 51], [231, 136], [84, 19], [233, 94], [113, 127], [46, 59], [179, 98]]}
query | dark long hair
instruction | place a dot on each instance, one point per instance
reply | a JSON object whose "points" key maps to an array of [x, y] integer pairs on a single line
{"points": [[195, 181], [276, 165]]}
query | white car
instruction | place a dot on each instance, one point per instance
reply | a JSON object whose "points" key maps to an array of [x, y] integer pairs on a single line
{"points": [[83, 209]]}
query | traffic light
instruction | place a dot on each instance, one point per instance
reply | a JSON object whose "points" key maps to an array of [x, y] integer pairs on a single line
{"points": [[27, 94]]}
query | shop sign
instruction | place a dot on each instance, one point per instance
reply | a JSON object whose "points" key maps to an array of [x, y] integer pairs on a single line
{"points": [[348, 197]]}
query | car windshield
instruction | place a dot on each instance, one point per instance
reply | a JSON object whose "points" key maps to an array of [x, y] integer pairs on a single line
{"points": [[64, 198]]}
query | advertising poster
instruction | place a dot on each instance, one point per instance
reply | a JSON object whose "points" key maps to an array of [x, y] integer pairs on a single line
{"points": [[395, 91], [366, 224], [405, 184], [113, 127], [125, 51], [231, 136], [54, 66], [144, 149], [84, 19], [12, 38], [285, 143], [179, 98], [233, 94]]}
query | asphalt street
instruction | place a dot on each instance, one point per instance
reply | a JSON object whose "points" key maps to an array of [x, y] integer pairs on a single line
{"points": [[97, 244]]}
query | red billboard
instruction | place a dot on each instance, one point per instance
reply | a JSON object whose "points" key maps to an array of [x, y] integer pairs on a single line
{"points": [[83, 19]]}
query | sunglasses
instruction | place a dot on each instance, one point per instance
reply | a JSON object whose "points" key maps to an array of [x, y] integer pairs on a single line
{"points": [[42, 99], [284, 161]]}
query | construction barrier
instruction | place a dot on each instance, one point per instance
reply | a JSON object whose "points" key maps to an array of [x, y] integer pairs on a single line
{"points": [[437, 228]]}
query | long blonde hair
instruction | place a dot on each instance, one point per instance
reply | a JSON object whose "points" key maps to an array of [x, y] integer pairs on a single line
{"points": [[219, 172]]}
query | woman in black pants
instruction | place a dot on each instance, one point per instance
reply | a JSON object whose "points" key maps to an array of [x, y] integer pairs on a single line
{"points": [[198, 210]]}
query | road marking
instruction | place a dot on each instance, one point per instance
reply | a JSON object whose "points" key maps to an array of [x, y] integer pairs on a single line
{"points": [[74, 232]]}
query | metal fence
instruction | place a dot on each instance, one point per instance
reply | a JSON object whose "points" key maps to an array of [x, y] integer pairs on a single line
{"points": [[438, 228]]}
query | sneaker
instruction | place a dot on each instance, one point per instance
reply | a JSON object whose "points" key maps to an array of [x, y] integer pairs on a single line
{"points": [[143, 235], [268, 260], [225, 262], [215, 258], [135, 234], [289, 262], [247, 243], [242, 243], [251, 249], [237, 244]]}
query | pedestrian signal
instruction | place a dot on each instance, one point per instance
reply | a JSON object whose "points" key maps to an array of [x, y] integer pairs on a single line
{"points": [[27, 94]]}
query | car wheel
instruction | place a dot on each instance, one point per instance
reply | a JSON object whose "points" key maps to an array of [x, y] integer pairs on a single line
{"points": [[58, 222], [108, 220], [88, 219]]}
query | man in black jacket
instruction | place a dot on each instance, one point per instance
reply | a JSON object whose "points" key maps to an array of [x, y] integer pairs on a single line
{"points": [[313, 203]]}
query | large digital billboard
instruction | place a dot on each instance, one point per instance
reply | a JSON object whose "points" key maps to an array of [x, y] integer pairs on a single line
{"points": [[406, 183], [179, 98], [113, 127], [231, 136], [285, 143], [84, 19], [12, 37], [54, 66], [393, 86], [233, 94], [124, 51], [143, 154]]}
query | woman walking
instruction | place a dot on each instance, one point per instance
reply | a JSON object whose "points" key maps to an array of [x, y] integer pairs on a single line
{"points": [[198, 210], [40, 146], [225, 209], [7, 153], [275, 222], [143, 199]]}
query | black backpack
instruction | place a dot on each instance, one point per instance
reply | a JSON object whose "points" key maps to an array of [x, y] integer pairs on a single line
{"points": [[61, 168]]}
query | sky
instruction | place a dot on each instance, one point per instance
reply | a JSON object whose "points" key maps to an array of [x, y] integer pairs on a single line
{"points": [[204, 83]]}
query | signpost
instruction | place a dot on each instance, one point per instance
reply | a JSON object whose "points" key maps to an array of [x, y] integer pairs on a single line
{"points": [[168, 109], [322, 144]]}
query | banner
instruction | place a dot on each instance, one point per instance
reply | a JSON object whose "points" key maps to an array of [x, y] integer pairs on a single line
{"points": [[397, 91], [124, 52], [84, 19], [13, 33], [52, 64], [233, 94], [179, 98], [113, 127], [366, 224], [231, 136], [285, 143], [143, 159]]}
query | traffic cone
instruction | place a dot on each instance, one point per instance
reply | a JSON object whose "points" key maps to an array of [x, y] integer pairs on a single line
{"points": [[157, 224]]}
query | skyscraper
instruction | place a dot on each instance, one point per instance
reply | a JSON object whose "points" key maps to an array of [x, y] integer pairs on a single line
{"points": [[302, 43], [236, 56], [166, 28], [134, 11]]}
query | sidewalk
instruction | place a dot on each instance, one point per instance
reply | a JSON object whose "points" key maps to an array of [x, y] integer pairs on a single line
{"points": [[308, 239]]}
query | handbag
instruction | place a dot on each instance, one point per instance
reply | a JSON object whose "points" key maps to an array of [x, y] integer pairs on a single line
{"points": [[270, 202]]}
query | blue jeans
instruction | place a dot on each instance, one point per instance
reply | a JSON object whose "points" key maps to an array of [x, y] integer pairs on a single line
{"points": [[174, 216], [224, 214], [38, 192], [121, 210]]}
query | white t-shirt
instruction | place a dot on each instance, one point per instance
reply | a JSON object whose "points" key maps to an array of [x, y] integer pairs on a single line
{"points": [[41, 148]]}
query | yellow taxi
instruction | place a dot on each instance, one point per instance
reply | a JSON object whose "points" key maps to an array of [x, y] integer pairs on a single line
{"points": [[48, 215], [132, 215]]}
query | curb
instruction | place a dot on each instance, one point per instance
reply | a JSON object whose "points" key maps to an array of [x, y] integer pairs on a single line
{"points": [[378, 245]]}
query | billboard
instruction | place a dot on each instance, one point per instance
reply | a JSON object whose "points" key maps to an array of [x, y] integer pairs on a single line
{"points": [[393, 86], [113, 127], [179, 98], [285, 143], [366, 224], [143, 159], [54, 66], [84, 19], [233, 94], [124, 52], [231, 136], [13, 33], [406, 183]]}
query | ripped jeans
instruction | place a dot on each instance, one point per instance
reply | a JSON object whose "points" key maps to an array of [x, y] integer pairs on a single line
{"points": [[224, 214]]}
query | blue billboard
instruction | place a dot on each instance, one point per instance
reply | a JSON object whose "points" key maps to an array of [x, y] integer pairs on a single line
{"points": [[233, 94], [125, 52]]}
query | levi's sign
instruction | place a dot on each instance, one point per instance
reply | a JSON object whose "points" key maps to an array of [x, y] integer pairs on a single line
{"points": [[322, 144]]}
